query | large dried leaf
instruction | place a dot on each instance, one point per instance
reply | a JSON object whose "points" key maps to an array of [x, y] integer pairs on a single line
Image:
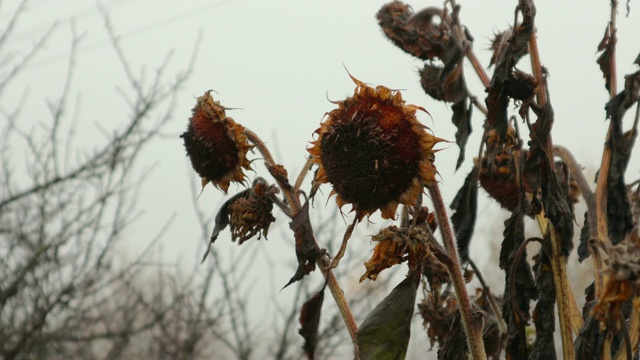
{"points": [[519, 287], [307, 250], [310, 321], [540, 173], [544, 314], [461, 118], [465, 207], [385, 332], [619, 217]]}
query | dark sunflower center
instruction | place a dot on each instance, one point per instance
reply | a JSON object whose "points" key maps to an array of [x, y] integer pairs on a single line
{"points": [[368, 164], [213, 153]]}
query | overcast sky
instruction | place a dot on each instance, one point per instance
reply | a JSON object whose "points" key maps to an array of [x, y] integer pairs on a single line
{"points": [[279, 61]]}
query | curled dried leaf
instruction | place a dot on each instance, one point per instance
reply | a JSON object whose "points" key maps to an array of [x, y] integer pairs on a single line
{"points": [[310, 321], [307, 250]]}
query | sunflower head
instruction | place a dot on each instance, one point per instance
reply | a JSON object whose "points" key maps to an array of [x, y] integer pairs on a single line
{"points": [[216, 145], [374, 151]]}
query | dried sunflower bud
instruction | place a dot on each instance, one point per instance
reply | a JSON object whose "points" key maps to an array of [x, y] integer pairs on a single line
{"points": [[374, 151], [251, 213], [497, 170], [396, 245], [216, 145]]}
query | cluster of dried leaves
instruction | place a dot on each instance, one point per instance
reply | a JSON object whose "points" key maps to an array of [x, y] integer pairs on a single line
{"points": [[373, 144]]}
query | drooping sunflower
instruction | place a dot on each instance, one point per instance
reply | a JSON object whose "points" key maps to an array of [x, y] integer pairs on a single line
{"points": [[216, 144], [374, 151]]}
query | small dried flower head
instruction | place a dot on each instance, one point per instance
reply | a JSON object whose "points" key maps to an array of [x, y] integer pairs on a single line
{"points": [[497, 170], [374, 151], [251, 213], [396, 245], [216, 145]]}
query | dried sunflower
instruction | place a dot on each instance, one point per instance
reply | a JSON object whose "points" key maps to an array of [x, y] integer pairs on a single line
{"points": [[396, 245], [216, 145], [251, 213], [374, 151]]}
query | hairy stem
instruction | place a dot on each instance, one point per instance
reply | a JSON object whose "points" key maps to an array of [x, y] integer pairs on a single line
{"points": [[324, 262], [568, 314], [471, 320]]}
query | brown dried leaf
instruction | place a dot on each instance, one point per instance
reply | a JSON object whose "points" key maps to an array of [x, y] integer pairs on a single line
{"points": [[310, 321], [465, 207], [543, 314], [524, 287], [307, 250], [607, 46], [619, 217]]}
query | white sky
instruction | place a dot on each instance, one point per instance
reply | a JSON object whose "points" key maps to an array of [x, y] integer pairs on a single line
{"points": [[279, 61]]}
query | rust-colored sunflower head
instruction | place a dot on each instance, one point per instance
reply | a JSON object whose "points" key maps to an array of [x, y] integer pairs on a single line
{"points": [[498, 170], [216, 145], [374, 151]]}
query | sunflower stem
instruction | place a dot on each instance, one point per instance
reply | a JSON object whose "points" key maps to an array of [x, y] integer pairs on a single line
{"points": [[323, 261], [292, 200], [565, 299], [302, 175], [471, 318]]}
